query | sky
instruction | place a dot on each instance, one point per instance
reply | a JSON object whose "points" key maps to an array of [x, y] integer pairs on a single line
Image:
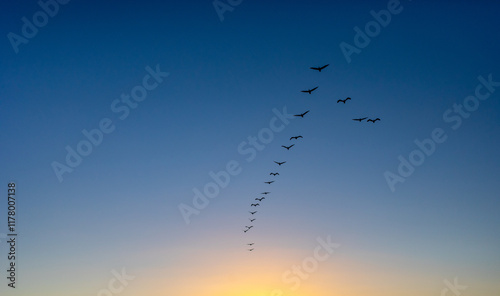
{"points": [[139, 133]]}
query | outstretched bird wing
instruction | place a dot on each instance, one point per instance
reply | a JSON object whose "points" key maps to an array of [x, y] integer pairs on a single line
{"points": [[324, 66]]}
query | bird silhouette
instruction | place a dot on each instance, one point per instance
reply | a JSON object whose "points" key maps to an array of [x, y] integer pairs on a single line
{"points": [[260, 199], [288, 147], [280, 163], [251, 244], [269, 182], [373, 120], [255, 205], [248, 227], [360, 119], [296, 138], [274, 174], [309, 91], [302, 115], [319, 68], [253, 212], [245, 231], [251, 220], [343, 101], [251, 249], [266, 191]]}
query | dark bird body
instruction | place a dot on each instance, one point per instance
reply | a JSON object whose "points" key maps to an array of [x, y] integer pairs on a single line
{"points": [[280, 163], [319, 68], [295, 138], [266, 191], [269, 182], [253, 212], [255, 205], [274, 174], [343, 101], [260, 199], [302, 115], [288, 147], [309, 91], [373, 120]]}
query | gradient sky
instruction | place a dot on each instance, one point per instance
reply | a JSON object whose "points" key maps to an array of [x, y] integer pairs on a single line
{"points": [[120, 207]]}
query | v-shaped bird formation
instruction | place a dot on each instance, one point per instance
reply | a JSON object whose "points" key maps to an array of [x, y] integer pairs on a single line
{"points": [[288, 147]]}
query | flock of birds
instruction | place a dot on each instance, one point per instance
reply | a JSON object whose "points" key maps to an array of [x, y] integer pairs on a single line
{"points": [[274, 174]]}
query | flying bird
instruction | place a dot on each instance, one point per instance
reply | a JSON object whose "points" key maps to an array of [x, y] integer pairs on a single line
{"points": [[343, 101], [319, 68], [360, 119], [245, 231], [288, 147], [260, 199], [255, 205], [248, 227], [250, 249], [302, 115], [251, 220], [309, 91], [251, 244], [253, 212], [274, 174], [269, 182], [296, 138], [280, 163], [266, 191], [373, 120]]}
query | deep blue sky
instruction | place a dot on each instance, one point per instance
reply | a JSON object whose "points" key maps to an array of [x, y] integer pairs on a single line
{"points": [[119, 208]]}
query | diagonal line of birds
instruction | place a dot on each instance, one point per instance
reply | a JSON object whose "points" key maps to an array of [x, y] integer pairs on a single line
{"points": [[294, 138]]}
